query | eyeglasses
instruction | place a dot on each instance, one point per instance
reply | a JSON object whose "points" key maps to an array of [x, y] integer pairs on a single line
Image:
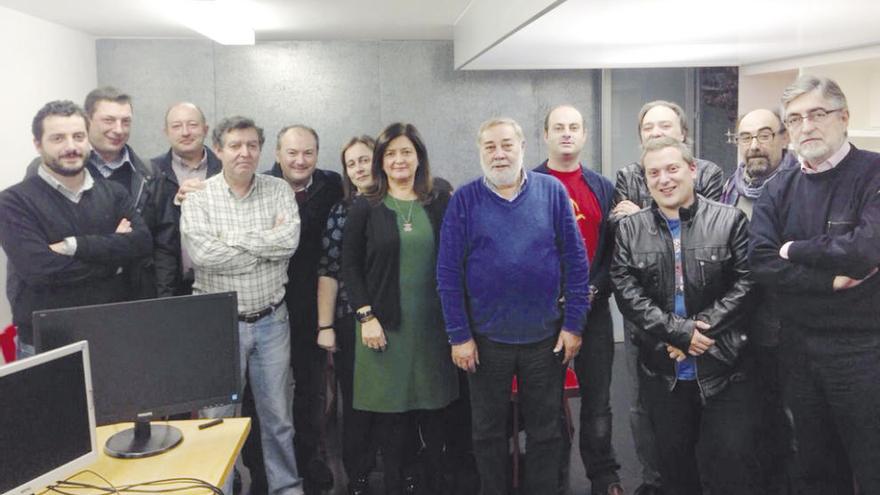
{"points": [[763, 137], [816, 116]]}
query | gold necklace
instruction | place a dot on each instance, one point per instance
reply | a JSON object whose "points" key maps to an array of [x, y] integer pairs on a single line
{"points": [[407, 220]]}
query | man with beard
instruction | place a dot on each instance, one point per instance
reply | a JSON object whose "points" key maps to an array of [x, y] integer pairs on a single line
{"points": [[814, 242], [762, 142], [509, 251], [65, 234]]}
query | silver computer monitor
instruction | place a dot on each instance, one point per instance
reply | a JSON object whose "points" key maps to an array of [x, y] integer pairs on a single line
{"points": [[47, 419]]}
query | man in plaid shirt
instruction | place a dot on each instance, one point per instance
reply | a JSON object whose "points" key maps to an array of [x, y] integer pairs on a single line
{"points": [[240, 231]]}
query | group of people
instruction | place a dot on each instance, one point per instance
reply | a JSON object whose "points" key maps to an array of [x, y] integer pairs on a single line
{"points": [[751, 309]]}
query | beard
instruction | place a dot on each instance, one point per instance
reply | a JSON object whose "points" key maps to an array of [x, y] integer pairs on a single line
{"points": [[55, 165], [757, 166], [505, 177], [813, 150]]}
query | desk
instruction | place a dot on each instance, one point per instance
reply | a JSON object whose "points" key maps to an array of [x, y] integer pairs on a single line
{"points": [[207, 454]]}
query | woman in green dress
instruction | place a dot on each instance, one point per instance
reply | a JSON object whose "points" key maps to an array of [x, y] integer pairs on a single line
{"points": [[403, 371]]}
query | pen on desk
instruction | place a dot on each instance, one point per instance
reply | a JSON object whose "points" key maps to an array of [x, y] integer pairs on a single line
{"points": [[211, 423]]}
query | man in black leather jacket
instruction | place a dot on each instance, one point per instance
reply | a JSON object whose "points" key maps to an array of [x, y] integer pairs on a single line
{"points": [[680, 271]]}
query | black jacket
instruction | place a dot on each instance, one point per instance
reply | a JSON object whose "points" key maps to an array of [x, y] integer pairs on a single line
{"points": [[302, 271], [714, 244], [165, 174], [370, 273]]}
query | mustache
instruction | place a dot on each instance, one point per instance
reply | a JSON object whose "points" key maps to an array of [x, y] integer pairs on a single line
{"points": [[72, 154], [758, 154]]}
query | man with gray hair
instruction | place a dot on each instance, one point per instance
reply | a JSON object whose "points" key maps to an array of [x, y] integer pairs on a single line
{"points": [[510, 251], [814, 241], [240, 231]]}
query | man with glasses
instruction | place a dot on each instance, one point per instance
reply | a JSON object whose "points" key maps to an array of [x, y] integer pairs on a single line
{"points": [[762, 142], [814, 241]]}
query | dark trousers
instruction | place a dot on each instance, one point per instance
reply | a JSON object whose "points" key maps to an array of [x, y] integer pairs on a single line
{"points": [[707, 445], [832, 382], [593, 368], [397, 433], [358, 444], [775, 449], [540, 392]]}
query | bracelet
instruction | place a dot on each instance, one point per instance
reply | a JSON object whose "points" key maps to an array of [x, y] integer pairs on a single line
{"points": [[364, 316], [325, 327]]}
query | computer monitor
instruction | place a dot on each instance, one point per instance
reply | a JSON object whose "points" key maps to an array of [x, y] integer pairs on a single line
{"points": [[152, 358], [47, 419]]}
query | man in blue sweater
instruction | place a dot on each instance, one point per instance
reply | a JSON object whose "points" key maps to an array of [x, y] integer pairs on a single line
{"points": [[510, 252], [814, 241]]}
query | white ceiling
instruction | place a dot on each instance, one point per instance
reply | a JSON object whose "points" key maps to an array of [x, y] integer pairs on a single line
{"points": [[271, 19]]}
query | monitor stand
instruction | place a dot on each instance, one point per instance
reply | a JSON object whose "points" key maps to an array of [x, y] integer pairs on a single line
{"points": [[144, 440]]}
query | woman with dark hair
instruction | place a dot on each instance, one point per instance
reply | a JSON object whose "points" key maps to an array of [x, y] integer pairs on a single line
{"points": [[336, 318], [403, 371]]}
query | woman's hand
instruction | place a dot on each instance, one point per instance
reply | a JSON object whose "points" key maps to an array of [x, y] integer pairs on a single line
{"points": [[327, 339], [373, 336]]}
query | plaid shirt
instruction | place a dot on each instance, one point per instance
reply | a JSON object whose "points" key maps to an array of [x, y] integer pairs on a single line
{"points": [[233, 242]]}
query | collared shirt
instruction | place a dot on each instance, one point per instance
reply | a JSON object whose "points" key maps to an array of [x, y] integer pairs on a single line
{"points": [[107, 168], [69, 247], [184, 172], [235, 244], [519, 189], [828, 164]]}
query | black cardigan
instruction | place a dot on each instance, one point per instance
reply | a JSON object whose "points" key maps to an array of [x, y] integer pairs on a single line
{"points": [[371, 256]]}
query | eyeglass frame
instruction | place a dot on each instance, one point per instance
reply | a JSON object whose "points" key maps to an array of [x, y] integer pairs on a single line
{"points": [[810, 116], [742, 141]]}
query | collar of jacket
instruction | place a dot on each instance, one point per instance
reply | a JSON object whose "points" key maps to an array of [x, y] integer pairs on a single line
{"points": [[684, 214]]}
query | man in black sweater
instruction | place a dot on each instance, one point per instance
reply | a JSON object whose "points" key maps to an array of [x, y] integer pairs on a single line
{"points": [[814, 241], [66, 235]]}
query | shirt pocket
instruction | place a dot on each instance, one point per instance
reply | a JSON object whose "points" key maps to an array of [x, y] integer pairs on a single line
{"points": [[710, 263], [647, 269]]}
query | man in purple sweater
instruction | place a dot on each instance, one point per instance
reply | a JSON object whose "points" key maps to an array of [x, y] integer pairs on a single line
{"points": [[510, 253], [814, 241]]}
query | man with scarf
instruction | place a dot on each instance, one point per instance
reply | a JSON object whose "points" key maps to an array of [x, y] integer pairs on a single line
{"points": [[762, 143]]}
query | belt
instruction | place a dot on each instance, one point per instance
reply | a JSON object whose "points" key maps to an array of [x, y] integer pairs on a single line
{"points": [[257, 315]]}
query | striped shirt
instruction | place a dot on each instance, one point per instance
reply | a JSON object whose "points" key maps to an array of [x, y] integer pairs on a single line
{"points": [[234, 243]]}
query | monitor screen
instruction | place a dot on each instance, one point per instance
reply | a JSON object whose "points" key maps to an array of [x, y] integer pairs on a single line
{"points": [[47, 421], [164, 356]]}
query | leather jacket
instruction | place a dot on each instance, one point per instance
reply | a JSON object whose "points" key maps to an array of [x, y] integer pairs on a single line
{"points": [[714, 245]]}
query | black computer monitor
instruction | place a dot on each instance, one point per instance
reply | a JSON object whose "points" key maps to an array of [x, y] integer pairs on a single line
{"points": [[47, 419], [152, 358]]}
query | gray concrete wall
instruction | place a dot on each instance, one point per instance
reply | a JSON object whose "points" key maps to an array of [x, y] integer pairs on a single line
{"points": [[342, 89]]}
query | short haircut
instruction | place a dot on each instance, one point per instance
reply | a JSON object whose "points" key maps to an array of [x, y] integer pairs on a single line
{"points": [[60, 108], [235, 123], [496, 121], [664, 142], [423, 184], [104, 93], [180, 103], [348, 188], [828, 88], [297, 126], [780, 130], [675, 107], [557, 107]]}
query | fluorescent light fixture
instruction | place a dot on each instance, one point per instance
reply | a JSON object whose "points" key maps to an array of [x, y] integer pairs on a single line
{"points": [[224, 21]]}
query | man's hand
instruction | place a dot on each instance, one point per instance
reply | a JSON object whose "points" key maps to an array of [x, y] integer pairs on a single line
{"points": [[675, 353], [699, 342], [327, 339], [279, 219], [373, 336], [466, 356], [842, 282], [124, 227], [625, 208], [571, 342], [188, 186]]}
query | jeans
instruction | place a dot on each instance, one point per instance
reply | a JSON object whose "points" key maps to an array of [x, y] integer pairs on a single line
{"points": [[540, 378], [832, 384], [593, 368], [639, 422], [23, 350], [704, 447], [265, 355]]}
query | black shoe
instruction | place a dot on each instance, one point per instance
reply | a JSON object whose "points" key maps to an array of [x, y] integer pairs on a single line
{"points": [[410, 485], [360, 486], [648, 489]]}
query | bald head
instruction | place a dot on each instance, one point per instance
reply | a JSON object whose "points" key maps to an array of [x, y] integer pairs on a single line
{"points": [[186, 130], [761, 139]]}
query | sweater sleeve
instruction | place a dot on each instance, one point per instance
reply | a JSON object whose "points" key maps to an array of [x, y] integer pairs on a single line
{"points": [[330, 263], [451, 266], [575, 270], [115, 247], [354, 254]]}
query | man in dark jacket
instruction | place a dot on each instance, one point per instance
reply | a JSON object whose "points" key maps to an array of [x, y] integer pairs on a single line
{"points": [[316, 192], [656, 119], [184, 168], [66, 235], [681, 277], [814, 241], [591, 196]]}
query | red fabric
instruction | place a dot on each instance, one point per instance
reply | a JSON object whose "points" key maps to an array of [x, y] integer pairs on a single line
{"points": [[7, 344], [586, 207], [571, 382]]}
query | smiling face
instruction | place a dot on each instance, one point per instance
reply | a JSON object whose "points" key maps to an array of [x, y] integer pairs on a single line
{"points": [[240, 154], [670, 180], [297, 153], [358, 165], [501, 155], [400, 160], [64, 145], [565, 135], [109, 128], [816, 141], [186, 129], [661, 121]]}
